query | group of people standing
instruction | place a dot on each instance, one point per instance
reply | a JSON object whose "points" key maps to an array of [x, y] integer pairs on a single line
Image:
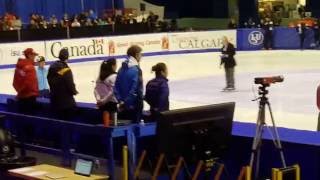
{"points": [[120, 92], [31, 83]]}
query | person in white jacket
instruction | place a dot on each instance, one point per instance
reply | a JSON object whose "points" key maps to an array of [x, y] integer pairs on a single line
{"points": [[103, 91]]}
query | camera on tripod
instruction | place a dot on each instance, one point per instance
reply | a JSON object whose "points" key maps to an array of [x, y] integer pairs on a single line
{"points": [[268, 80]]}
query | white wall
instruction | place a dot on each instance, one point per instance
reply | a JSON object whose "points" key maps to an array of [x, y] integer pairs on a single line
{"points": [[158, 10]]}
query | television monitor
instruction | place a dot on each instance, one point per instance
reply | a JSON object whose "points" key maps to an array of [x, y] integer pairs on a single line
{"points": [[193, 132]]}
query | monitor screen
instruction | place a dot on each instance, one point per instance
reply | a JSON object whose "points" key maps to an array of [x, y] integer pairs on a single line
{"points": [[83, 167], [192, 132]]}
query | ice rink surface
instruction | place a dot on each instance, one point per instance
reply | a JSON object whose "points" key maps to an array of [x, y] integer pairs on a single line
{"points": [[196, 79]]}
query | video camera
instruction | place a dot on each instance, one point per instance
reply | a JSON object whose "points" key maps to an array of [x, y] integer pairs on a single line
{"points": [[268, 80]]}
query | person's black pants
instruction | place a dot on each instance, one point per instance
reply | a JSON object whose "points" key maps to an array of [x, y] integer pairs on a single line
{"points": [[302, 37], [267, 43], [27, 105], [133, 115], [66, 114]]}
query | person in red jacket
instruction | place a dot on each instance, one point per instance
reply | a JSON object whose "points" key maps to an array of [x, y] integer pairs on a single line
{"points": [[25, 82]]}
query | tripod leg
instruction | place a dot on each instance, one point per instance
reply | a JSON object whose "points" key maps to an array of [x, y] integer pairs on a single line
{"points": [[277, 137], [255, 151]]}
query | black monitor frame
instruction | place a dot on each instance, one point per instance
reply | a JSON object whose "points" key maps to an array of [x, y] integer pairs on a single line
{"points": [[192, 132]]}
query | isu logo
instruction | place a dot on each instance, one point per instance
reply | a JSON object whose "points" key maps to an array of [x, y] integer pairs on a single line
{"points": [[165, 43], [255, 38]]}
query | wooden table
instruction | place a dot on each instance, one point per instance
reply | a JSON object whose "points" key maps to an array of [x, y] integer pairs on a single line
{"points": [[41, 172]]}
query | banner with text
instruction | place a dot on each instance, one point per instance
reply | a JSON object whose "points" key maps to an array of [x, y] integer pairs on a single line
{"points": [[200, 40], [78, 48], [149, 43], [11, 52]]}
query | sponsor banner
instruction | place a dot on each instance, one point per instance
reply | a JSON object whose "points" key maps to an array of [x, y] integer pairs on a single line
{"points": [[11, 52], [78, 48], [118, 45], [200, 40]]}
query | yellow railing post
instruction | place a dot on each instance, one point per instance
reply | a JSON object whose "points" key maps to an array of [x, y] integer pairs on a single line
{"points": [[125, 163]]}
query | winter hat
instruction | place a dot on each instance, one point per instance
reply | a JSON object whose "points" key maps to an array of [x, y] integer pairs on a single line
{"points": [[64, 54]]}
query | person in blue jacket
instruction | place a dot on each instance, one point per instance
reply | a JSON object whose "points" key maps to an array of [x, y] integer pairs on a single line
{"points": [[42, 73], [129, 86], [157, 90]]}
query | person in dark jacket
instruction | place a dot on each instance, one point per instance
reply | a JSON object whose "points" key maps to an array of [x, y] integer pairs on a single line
{"points": [[227, 59], [157, 90], [316, 34], [62, 87], [301, 29], [25, 82], [129, 86], [268, 34]]}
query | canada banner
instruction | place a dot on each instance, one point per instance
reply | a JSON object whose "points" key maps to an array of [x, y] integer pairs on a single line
{"points": [[78, 48]]}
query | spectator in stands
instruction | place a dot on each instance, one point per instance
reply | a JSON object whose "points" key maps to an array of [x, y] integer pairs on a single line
{"points": [[42, 73], [53, 22], [33, 24], [110, 21], [131, 19], [17, 24], [106, 101], [301, 29], [64, 23], [152, 21], [75, 23], [62, 87], [82, 18], [301, 10], [1, 23], [129, 86], [143, 21], [92, 15], [101, 22], [227, 59], [250, 23], [88, 23], [157, 91], [232, 24], [8, 21], [173, 25], [25, 82], [43, 23], [118, 20]]}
